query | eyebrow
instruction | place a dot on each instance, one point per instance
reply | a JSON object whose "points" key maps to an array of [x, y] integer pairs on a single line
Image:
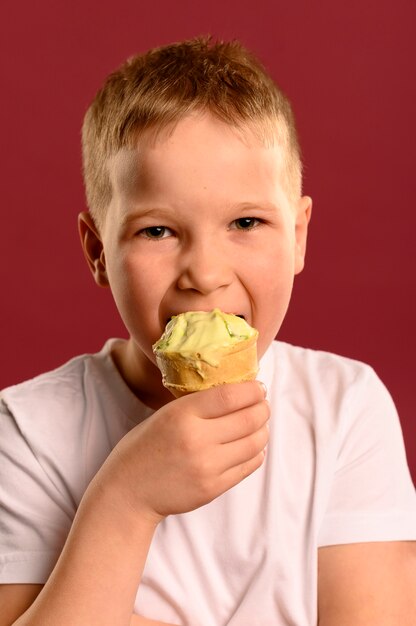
{"points": [[265, 207], [245, 207], [130, 217]]}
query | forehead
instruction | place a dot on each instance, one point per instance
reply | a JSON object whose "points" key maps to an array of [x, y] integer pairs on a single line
{"points": [[199, 156]]}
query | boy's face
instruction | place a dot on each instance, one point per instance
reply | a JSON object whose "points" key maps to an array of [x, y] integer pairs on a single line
{"points": [[200, 219]]}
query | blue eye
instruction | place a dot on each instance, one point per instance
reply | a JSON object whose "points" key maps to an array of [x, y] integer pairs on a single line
{"points": [[156, 232], [246, 223]]}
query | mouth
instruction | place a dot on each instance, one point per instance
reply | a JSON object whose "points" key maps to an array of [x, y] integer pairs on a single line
{"points": [[236, 314]]}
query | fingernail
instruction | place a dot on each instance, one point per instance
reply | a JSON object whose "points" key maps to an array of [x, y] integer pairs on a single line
{"points": [[263, 386]]}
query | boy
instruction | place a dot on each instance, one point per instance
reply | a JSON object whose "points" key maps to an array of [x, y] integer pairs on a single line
{"points": [[170, 508]]}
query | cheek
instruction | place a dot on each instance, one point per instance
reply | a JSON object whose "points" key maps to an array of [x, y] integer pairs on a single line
{"points": [[131, 273], [272, 282], [133, 284], [273, 269]]}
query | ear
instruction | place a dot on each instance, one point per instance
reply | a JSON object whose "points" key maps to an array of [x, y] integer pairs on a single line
{"points": [[93, 248], [303, 215]]}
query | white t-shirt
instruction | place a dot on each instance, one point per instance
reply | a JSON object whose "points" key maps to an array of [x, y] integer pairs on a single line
{"points": [[335, 472]]}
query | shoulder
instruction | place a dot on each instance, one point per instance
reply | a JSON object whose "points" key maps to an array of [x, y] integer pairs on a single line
{"points": [[67, 376], [341, 420], [36, 407], [55, 407], [323, 379], [328, 366], [332, 400], [53, 393], [63, 373], [63, 423]]}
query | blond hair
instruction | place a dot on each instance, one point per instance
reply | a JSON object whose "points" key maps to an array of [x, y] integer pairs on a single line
{"points": [[160, 87]]}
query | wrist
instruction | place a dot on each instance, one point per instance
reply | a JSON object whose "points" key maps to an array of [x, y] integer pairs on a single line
{"points": [[110, 490], [110, 495]]}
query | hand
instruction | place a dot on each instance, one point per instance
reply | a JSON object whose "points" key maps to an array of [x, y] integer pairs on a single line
{"points": [[191, 450], [137, 620]]}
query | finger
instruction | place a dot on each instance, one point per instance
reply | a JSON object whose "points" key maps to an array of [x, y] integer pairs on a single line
{"points": [[224, 399], [239, 424], [241, 451], [236, 474]]}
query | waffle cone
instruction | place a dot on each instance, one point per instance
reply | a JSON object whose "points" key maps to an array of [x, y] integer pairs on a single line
{"points": [[183, 375]]}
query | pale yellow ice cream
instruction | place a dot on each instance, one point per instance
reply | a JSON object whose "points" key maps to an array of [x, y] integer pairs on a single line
{"points": [[201, 349]]}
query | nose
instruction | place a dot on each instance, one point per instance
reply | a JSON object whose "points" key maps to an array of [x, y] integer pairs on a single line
{"points": [[204, 268]]}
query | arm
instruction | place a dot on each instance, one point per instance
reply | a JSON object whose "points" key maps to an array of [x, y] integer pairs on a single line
{"points": [[180, 458], [17, 598], [367, 584], [97, 575], [137, 620]]}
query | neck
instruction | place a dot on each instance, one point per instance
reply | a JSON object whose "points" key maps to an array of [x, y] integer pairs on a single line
{"points": [[141, 375]]}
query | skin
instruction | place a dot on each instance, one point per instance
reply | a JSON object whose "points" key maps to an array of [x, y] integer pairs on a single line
{"points": [[229, 237], [202, 260], [183, 456]]}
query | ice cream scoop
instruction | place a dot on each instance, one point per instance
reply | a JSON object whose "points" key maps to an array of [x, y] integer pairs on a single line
{"points": [[200, 349]]}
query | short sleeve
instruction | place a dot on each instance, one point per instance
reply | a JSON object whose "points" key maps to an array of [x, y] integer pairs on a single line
{"points": [[34, 517], [372, 496]]}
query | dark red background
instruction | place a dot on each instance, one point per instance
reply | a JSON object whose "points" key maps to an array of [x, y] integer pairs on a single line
{"points": [[349, 68]]}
